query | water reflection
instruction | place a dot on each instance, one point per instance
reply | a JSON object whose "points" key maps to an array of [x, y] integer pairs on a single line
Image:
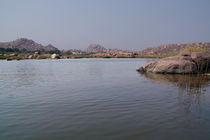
{"points": [[191, 89], [192, 84], [25, 74]]}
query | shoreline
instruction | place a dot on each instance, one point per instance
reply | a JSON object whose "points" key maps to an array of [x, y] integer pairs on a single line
{"points": [[79, 58], [48, 57]]}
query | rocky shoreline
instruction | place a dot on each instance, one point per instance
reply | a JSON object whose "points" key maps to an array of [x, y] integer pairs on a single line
{"points": [[185, 63]]}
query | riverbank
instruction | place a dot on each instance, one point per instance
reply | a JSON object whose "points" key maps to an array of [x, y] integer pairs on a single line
{"points": [[17, 54], [21, 56]]}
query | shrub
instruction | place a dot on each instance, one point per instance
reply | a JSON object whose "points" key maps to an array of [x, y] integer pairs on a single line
{"points": [[107, 56]]}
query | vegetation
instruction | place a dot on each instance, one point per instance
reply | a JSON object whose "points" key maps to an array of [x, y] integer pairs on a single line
{"points": [[18, 51], [147, 56], [3, 57], [174, 53], [44, 57], [107, 56], [187, 50], [194, 49]]}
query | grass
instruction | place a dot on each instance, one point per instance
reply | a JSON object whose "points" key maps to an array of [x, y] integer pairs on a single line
{"points": [[194, 49], [148, 56], [187, 50], [44, 57], [3, 57], [173, 53]]}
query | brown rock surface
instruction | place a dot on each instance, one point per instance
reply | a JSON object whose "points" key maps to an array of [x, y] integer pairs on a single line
{"points": [[195, 62]]}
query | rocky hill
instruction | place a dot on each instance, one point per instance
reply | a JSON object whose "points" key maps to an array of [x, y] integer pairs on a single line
{"points": [[27, 44], [164, 49], [96, 48]]}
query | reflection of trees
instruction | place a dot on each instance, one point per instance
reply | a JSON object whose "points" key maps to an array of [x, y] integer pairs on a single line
{"points": [[190, 90]]}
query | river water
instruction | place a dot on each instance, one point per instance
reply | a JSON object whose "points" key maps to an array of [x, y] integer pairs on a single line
{"points": [[100, 99]]}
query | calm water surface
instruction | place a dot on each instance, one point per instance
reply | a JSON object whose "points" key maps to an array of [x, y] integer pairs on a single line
{"points": [[100, 99]]}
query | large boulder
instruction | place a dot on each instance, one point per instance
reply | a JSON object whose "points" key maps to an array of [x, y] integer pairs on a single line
{"points": [[202, 61], [55, 56], [187, 63]]}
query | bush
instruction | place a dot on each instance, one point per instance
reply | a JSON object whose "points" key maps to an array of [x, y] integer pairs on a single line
{"points": [[43, 57], [187, 50], [107, 56], [3, 57], [194, 49]]}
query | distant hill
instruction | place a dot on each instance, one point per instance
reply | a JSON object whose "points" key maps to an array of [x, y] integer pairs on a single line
{"points": [[96, 48], [167, 48], [26, 44]]}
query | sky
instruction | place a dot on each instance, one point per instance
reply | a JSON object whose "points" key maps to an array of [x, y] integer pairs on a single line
{"points": [[122, 24]]}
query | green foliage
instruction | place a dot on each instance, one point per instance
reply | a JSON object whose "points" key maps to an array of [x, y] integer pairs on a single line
{"points": [[187, 50], [173, 53], [68, 52], [54, 51], [44, 57], [8, 50], [147, 56], [107, 56], [194, 49], [3, 57]]}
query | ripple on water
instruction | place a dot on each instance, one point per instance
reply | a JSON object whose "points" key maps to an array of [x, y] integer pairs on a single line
{"points": [[100, 99]]}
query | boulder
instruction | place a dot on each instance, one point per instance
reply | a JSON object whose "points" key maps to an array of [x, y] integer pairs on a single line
{"points": [[55, 56], [202, 61], [187, 63], [13, 54], [30, 56], [36, 55]]}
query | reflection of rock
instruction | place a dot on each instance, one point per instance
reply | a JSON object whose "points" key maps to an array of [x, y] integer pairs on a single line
{"points": [[95, 48], [184, 63], [192, 83], [190, 92]]}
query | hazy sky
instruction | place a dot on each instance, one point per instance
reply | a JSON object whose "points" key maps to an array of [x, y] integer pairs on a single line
{"points": [[125, 24]]}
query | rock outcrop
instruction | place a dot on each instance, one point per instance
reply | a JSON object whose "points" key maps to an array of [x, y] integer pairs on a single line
{"points": [[196, 62], [167, 48], [96, 48]]}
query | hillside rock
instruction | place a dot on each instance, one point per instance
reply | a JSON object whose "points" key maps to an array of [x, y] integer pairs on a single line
{"points": [[167, 48], [50, 47], [26, 44], [182, 64], [96, 48]]}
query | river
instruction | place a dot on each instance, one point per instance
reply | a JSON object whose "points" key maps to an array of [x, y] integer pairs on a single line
{"points": [[100, 99]]}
